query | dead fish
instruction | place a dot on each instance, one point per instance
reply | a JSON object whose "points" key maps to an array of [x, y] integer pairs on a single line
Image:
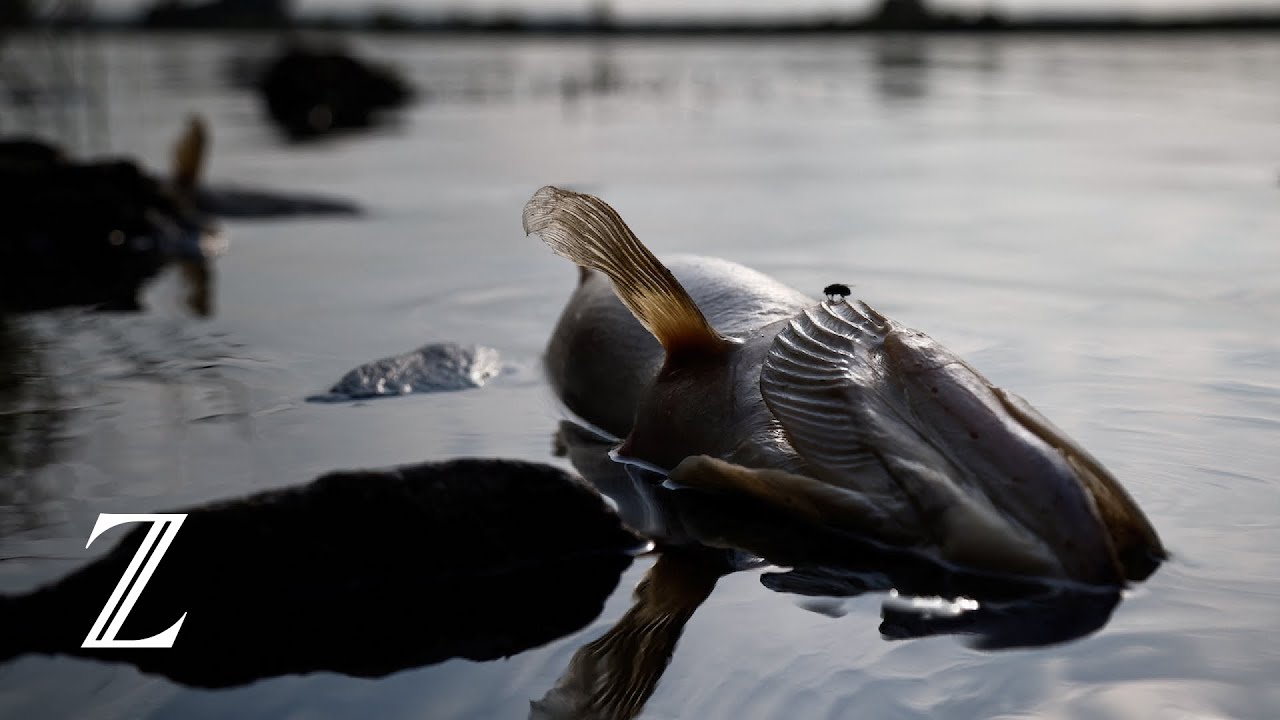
{"points": [[829, 411], [93, 233], [811, 560], [439, 367]]}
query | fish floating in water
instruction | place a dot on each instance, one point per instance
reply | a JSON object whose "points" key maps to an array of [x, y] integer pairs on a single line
{"points": [[93, 233], [729, 381]]}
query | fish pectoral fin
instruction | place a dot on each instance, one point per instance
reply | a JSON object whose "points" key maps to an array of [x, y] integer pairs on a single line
{"points": [[974, 537], [822, 380], [585, 229], [798, 495], [966, 528]]}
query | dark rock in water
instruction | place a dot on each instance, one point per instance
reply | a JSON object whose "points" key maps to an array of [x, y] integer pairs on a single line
{"points": [[28, 154], [88, 233], [364, 573], [239, 202], [439, 367], [311, 91]]}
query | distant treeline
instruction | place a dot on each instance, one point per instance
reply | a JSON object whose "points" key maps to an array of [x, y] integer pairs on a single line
{"points": [[887, 15]]}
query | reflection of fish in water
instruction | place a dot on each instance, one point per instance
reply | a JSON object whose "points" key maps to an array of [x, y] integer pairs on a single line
{"points": [[613, 676], [703, 537], [363, 573], [830, 412]]}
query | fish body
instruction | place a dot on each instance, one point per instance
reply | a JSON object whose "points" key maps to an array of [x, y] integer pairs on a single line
{"points": [[732, 382]]}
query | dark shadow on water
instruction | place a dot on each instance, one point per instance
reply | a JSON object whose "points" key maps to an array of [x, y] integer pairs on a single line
{"points": [[363, 573], [232, 201]]}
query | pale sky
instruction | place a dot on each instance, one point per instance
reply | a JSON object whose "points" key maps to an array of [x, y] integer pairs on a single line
{"points": [[639, 8]]}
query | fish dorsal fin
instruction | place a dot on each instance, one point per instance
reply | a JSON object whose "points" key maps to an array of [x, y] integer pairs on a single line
{"points": [[586, 230], [189, 154]]}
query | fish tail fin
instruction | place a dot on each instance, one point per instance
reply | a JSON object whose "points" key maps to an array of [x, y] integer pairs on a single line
{"points": [[189, 153], [586, 230]]}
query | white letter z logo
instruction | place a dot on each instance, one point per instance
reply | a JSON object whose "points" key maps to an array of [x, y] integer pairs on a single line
{"points": [[164, 527]]}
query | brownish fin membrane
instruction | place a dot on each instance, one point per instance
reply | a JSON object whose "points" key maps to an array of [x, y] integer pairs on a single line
{"points": [[586, 230], [189, 154]]}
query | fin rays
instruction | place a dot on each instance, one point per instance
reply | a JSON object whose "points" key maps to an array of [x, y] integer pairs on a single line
{"points": [[586, 230]]}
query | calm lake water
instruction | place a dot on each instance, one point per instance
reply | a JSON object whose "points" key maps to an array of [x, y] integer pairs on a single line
{"points": [[1093, 223]]}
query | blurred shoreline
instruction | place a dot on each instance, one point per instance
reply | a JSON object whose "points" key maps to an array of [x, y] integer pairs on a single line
{"points": [[888, 17], [677, 32]]}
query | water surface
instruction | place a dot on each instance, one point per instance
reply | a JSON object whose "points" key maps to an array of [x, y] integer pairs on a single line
{"points": [[1093, 223]]}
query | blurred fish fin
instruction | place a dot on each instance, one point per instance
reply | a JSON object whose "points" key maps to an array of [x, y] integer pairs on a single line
{"points": [[586, 230], [198, 277], [189, 153]]}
